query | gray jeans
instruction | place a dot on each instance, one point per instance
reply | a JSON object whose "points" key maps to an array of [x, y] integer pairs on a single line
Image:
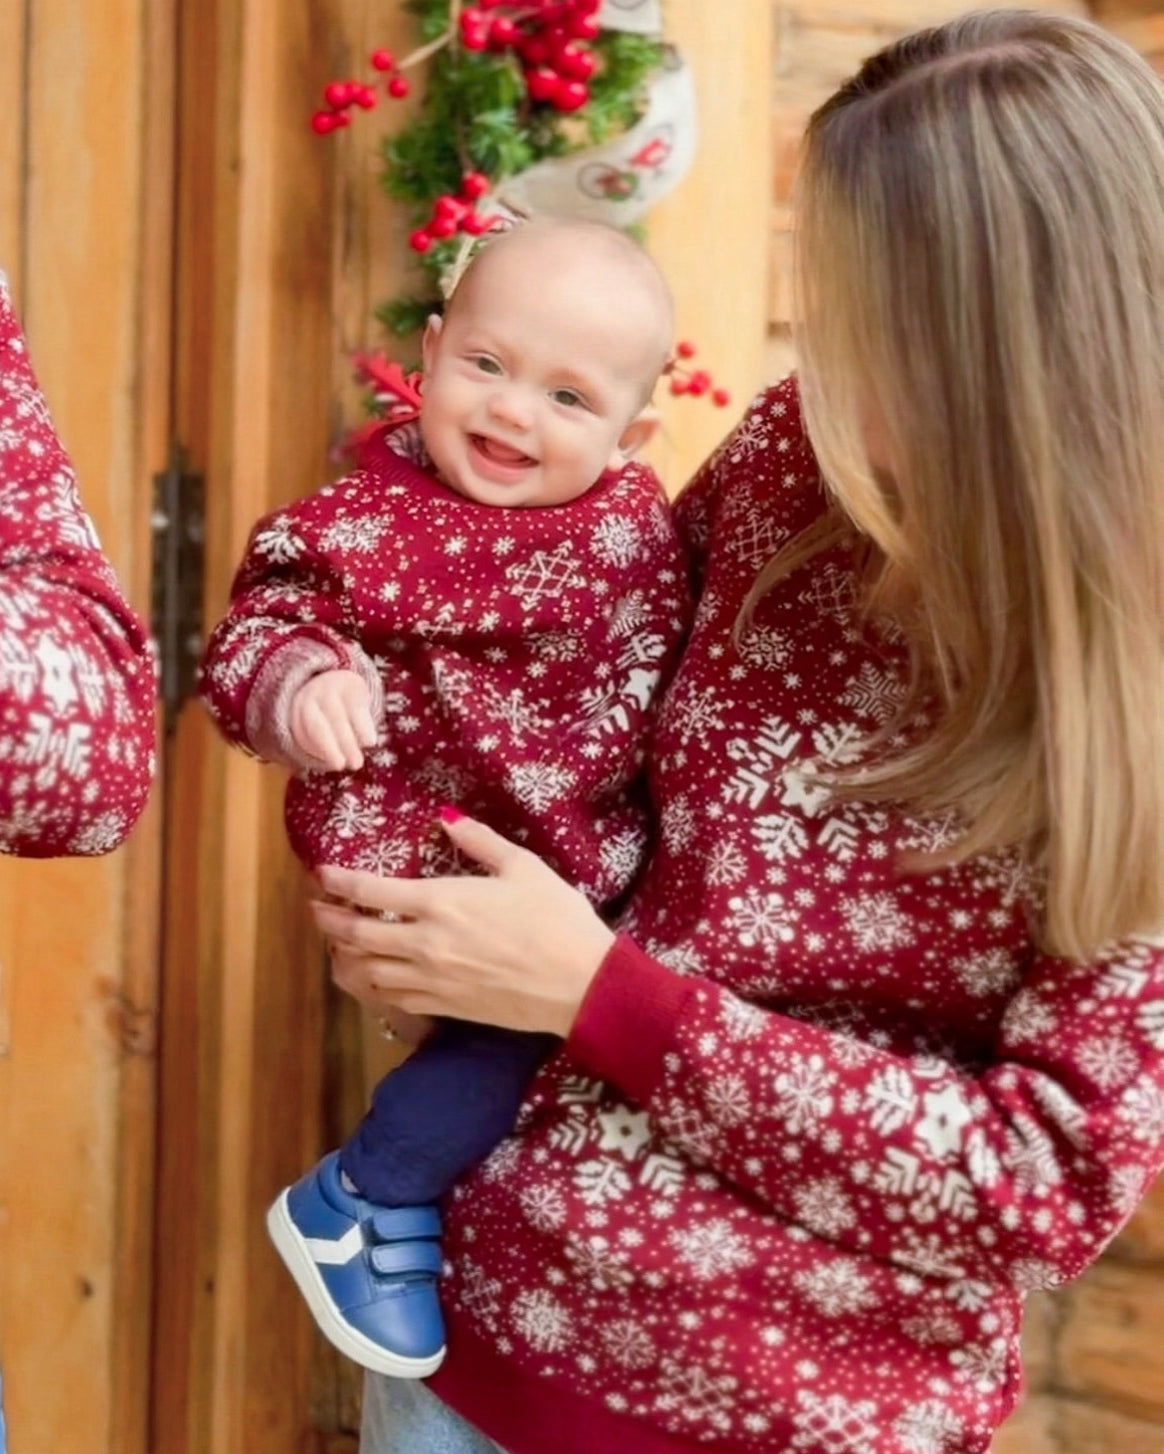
{"points": [[402, 1417]]}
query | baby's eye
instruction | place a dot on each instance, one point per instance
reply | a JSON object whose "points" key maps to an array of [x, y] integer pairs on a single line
{"points": [[486, 364], [570, 397]]}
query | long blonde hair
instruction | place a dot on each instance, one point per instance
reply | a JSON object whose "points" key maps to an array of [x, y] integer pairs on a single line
{"points": [[981, 272]]}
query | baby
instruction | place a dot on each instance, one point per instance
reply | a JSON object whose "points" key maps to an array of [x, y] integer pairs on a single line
{"points": [[481, 615]]}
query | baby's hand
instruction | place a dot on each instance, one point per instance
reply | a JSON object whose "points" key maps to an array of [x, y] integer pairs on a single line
{"points": [[331, 720]]}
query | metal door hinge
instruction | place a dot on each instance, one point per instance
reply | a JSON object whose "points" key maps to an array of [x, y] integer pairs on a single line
{"points": [[178, 525]]}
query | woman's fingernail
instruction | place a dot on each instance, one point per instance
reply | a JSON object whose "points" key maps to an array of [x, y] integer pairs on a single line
{"points": [[450, 815]]}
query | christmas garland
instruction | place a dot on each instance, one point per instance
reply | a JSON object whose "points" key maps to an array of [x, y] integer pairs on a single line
{"points": [[512, 88]]}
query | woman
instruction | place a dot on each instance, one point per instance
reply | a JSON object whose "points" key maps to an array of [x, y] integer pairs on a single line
{"points": [[880, 1047]]}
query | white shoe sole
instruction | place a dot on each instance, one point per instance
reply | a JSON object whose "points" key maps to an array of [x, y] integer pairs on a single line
{"points": [[352, 1343]]}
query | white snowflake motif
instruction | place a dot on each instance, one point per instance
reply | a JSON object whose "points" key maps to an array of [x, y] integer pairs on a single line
{"points": [[1031, 1155], [876, 922], [992, 972], [726, 864], [940, 1129], [1141, 1110], [741, 1020], [542, 1320], [764, 647], [695, 712], [832, 593], [1027, 1017], [982, 1365], [779, 836], [56, 674], [628, 1344], [351, 817], [760, 919], [546, 573], [480, 1293], [279, 542], [624, 1130], [751, 437], [728, 1101], [929, 1428], [873, 693], [360, 536], [1110, 1061], [696, 1395], [630, 614], [544, 1207], [99, 835], [596, 1261], [804, 1092], [601, 1181], [538, 785], [621, 854], [824, 1207], [837, 1289], [1151, 1020], [677, 823], [616, 541], [758, 536], [835, 1425], [711, 1249]]}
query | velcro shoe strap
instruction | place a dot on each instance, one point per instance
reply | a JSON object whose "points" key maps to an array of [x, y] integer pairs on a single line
{"points": [[405, 1224], [396, 1259]]}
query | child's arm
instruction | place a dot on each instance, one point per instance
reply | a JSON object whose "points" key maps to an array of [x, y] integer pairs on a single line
{"points": [[77, 675], [283, 674]]}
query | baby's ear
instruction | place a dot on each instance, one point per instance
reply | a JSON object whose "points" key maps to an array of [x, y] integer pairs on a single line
{"points": [[428, 343], [636, 436]]}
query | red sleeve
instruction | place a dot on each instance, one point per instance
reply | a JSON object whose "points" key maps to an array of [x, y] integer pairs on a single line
{"points": [[1035, 1158], [290, 619], [77, 676]]}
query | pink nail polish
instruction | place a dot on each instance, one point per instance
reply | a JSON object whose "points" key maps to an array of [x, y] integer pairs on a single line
{"points": [[450, 815]]}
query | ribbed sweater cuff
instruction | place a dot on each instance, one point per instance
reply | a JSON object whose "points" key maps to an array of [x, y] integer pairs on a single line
{"points": [[627, 1021]]}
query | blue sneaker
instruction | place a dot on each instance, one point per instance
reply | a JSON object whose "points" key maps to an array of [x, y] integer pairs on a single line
{"points": [[369, 1273]]}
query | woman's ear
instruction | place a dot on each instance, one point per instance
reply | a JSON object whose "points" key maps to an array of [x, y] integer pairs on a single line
{"points": [[636, 436], [430, 339]]}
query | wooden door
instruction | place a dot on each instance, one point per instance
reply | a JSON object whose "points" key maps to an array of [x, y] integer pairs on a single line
{"points": [[85, 238]]}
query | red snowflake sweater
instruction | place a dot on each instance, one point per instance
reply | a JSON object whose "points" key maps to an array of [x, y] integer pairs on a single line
{"points": [[819, 1126], [77, 678], [513, 657]]}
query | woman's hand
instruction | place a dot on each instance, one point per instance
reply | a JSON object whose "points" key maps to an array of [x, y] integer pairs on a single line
{"points": [[518, 948]]}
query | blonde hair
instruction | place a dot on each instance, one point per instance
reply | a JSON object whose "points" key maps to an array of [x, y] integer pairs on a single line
{"points": [[981, 275]]}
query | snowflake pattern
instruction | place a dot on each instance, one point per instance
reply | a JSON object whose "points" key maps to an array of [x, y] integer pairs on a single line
{"points": [[868, 1117], [77, 672]]}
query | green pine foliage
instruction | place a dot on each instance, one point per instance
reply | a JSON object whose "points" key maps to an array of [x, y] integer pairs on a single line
{"points": [[477, 116]]}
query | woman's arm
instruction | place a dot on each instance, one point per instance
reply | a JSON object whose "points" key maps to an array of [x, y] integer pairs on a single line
{"points": [[77, 675], [1020, 1171]]}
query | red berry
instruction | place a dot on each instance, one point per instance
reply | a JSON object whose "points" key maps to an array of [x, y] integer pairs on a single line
{"points": [[383, 60], [474, 30], [543, 83], [448, 206], [323, 122], [720, 398], [685, 349], [474, 224], [700, 382], [421, 240], [503, 33], [536, 51], [679, 385], [442, 226], [338, 94], [474, 185], [571, 95], [340, 118], [585, 27], [577, 63], [587, 7], [365, 98], [399, 87]]}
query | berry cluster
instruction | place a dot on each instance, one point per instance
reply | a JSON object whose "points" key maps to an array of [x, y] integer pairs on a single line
{"points": [[453, 213], [695, 382], [341, 96], [550, 39]]}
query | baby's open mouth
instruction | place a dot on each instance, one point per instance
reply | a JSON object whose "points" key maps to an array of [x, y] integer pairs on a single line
{"points": [[502, 454]]}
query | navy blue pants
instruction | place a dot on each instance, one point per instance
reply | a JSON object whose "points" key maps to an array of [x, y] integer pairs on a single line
{"points": [[442, 1111]]}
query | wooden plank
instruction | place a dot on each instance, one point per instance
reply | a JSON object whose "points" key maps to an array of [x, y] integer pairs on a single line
{"points": [[1142, 1240], [13, 136], [711, 236], [1110, 1347], [71, 173]]}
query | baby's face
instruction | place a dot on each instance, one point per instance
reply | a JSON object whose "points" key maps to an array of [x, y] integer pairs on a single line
{"points": [[534, 380]]}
